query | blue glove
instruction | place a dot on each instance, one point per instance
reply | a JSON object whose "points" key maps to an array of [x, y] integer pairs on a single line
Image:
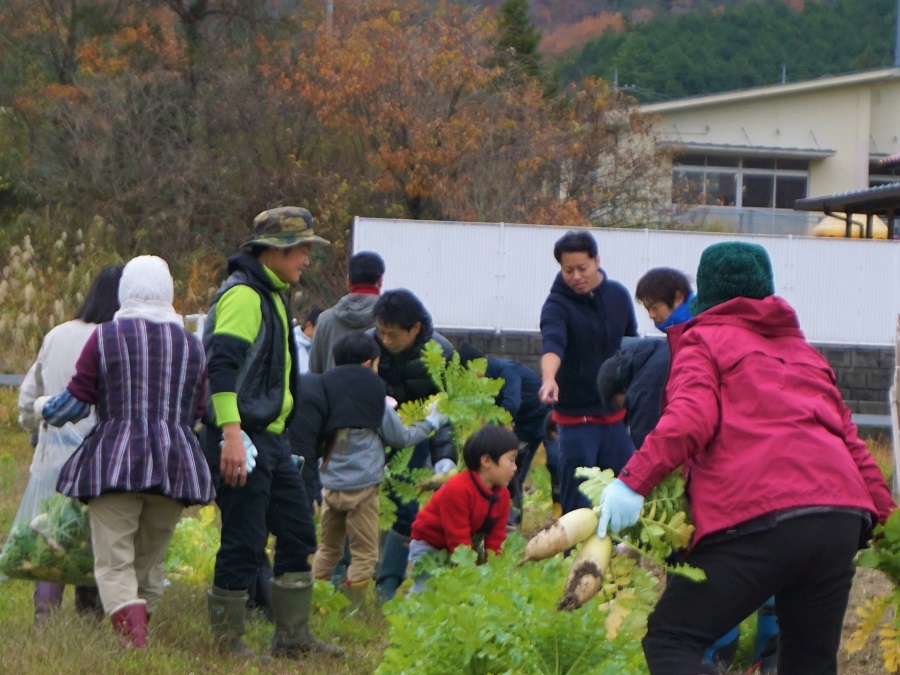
{"points": [[64, 408], [620, 507]]}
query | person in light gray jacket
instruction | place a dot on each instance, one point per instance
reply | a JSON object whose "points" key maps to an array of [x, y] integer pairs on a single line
{"points": [[352, 313], [360, 423]]}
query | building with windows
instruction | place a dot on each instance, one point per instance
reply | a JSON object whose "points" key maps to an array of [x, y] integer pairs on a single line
{"points": [[742, 158]]}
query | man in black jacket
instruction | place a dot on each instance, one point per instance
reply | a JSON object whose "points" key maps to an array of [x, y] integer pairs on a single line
{"points": [[252, 391], [402, 328], [583, 322]]}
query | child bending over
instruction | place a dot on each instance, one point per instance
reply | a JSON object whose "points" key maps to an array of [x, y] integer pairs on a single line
{"points": [[473, 506], [358, 425]]}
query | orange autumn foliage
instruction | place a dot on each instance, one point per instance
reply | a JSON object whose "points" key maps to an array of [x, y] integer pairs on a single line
{"points": [[564, 38]]}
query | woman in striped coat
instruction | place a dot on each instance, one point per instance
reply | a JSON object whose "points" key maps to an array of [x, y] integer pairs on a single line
{"points": [[141, 464]]}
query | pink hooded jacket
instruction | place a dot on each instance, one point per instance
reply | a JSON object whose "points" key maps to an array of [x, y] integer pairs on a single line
{"points": [[756, 419]]}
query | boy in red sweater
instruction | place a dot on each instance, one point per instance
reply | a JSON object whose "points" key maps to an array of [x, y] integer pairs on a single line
{"points": [[472, 506]]}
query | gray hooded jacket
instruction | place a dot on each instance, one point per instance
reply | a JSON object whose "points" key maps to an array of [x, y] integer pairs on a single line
{"points": [[351, 314]]}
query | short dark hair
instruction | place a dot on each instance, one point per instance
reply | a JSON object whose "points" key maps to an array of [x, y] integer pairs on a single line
{"points": [[256, 250], [365, 267], [400, 308], [312, 316], [355, 349], [102, 300], [575, 241], [490, 440], [661, 284]]}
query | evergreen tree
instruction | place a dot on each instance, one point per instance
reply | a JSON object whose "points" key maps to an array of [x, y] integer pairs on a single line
{"points": [[518, 47], [518, 40]]}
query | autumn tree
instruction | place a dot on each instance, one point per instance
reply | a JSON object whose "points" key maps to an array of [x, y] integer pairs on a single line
{"points": [[431, 124]]}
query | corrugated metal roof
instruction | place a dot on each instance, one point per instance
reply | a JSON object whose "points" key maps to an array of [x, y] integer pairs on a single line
{"points": [[865, 200], [750, 150]]}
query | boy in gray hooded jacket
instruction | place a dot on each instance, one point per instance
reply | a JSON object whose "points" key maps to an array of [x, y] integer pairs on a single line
{"points": [[360, 423]]}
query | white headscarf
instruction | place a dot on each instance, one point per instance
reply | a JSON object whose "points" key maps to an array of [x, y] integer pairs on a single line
{"points": [[146, 291]]}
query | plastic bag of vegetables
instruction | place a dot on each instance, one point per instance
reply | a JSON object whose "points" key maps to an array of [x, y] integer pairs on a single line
{"points": [[50, 539]]}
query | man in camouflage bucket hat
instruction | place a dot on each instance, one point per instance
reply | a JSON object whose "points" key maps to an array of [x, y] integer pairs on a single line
{"points": [[252, 388], [283, 227]]}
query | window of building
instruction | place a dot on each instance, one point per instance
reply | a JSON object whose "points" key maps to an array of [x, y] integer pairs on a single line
{"points": [[748, 182], [880, 175]]}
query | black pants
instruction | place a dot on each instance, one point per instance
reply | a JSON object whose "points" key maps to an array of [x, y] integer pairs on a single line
{"points": [[806, 562], [273, 500]]}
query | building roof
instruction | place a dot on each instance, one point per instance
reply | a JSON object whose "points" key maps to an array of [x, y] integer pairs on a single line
{"points": [[877, 199], [774, 90], [882, 199], [746, 150]]}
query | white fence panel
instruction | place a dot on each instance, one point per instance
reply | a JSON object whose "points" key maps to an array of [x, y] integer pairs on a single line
{"points": [[495, 276]]}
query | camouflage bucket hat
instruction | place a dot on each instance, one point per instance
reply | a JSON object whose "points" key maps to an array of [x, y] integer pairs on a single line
{"points": [[283, 227]]}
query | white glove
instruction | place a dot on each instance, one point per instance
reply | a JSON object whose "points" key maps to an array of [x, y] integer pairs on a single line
{"points": [[252, 452], [39, 406], [436, 419], [444, 466]]}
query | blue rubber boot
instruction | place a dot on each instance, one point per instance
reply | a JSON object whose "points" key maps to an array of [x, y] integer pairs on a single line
{"points": [[392, 570], [721, 652], [767, 638]]}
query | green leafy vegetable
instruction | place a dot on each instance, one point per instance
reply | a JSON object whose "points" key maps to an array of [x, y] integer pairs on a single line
{"points": [[191, 555], [54, 546], [881, 615], [466, 397], [500, 618]]}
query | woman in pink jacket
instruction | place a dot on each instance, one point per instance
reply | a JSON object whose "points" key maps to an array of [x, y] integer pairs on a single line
{"points": [[782, 490]]}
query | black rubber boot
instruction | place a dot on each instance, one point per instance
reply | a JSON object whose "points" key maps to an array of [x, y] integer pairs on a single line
{"points": [[291, 606]]}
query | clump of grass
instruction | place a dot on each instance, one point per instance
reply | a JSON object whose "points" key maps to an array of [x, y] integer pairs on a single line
{"points": [[46, 273], [881, 449]]}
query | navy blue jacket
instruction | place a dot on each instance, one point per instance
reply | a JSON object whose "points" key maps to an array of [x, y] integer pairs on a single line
{"points": [[584, 330], [643, 368], [519, 396]]}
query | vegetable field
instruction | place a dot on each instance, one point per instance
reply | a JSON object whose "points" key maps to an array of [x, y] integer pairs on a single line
{"points": [[496, 618]]}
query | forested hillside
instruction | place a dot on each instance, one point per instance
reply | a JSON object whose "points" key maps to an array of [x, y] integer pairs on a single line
{"points": [[755, 44], [565, 24]]}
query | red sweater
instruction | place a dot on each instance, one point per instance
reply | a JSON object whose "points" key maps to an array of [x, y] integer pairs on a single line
{"points": [[459, 509]]}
